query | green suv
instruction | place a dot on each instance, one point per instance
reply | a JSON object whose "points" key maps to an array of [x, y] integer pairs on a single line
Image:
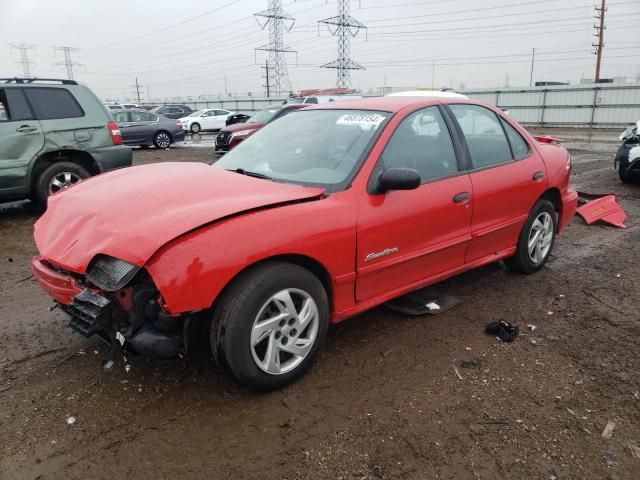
{"points": [[53, 133]]}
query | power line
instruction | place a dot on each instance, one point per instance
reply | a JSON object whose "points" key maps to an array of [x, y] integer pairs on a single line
{"points": [[600, 36], [344, 26], [277, 20], [24, 62], [68, 62]]}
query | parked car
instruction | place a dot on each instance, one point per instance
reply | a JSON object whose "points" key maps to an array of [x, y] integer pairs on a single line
{"points": [[206, 119], [232, 135], [321, 215], [53, 133], [627, 160], [172, 111], [142, 128]]}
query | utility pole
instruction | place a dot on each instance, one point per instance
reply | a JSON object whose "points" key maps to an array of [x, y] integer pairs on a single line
{"points": [[24, 62], [138, 88], [277, 20], [266, 76], [533, 59], [68, 63], [600, 35], [343, 26], [433, 74], [226, 91]]}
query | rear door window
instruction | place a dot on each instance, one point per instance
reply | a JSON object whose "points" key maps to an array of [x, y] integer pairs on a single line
{"points": [[519, 146], [120, 117], [484, 135], [53, 103], [142, 117]]}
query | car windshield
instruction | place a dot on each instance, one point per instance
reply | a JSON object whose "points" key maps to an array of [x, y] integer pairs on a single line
{"points": [[197, 113], [263, 116], [308, 147]]}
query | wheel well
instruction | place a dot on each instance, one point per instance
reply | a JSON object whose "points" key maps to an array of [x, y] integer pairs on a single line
{"points": [[308, 263], [84, 159], [553, 195]]}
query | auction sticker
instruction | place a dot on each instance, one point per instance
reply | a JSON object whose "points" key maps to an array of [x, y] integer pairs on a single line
{"points": [[362, 119]]}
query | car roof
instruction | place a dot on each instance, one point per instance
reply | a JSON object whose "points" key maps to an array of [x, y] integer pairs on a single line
{"points": [[387, 104]]}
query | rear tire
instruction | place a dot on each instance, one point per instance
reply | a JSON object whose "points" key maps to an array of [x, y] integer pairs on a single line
{"points": [[162, 140], [536, 239], [56, 177], [275, 307]]}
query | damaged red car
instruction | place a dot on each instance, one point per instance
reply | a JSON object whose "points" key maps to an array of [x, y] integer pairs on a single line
{"points": [[317, 217]]}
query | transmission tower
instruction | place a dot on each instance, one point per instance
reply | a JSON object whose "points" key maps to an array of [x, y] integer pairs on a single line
{"points": [[68, 62], [343, 26], [278, 22], [24, 62], [600, 36]]}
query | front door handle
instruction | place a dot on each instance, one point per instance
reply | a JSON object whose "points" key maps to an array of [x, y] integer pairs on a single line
{"points": [[461, 197], [538, 176], [26, 129]]}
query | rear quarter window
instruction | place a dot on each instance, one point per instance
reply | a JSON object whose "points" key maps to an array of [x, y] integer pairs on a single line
{"points": [[53, 103]]}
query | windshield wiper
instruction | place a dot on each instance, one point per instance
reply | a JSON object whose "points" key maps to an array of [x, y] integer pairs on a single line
{"points": [[248, 173]]}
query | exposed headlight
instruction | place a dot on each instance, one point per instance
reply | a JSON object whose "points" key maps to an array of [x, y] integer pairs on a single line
{"points": [[110, 274], [242, 133]]}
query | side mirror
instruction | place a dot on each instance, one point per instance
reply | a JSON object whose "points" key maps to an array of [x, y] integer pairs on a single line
{"points": [[398, 179]]}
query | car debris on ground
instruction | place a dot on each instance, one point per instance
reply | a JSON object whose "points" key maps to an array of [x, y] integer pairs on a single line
{"points": [[601, 207]]}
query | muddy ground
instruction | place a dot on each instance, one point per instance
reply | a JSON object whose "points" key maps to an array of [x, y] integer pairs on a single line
{"points": [[382, 402]]}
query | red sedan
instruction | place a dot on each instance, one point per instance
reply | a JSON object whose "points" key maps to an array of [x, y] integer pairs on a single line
{"points": [[317, 217]]}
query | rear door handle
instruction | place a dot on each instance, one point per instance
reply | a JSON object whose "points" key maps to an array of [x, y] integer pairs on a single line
{"points": [[461, 197], [26, 129], [538, 176]]}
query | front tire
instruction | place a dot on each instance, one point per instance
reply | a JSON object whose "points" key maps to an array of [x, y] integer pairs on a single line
{"points": [[162, 140], [56, 177], [269, 325], [536, 239], [195, 128]]}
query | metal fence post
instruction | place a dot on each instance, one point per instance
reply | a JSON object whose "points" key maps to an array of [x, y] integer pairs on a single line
{"points": [[593, 106], [543, 106]]}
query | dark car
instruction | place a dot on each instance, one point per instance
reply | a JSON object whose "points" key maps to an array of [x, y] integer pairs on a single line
{"points": [[233, 134], [139, 127], [237, 118], [172, 111]]}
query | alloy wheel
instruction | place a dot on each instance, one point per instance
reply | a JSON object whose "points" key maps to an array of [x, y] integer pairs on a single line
{"points": [[163, 140], [540, 237], [284, 331], [63, 180]]}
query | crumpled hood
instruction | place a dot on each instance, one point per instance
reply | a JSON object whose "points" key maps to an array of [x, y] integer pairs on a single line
{"points": [[130, 213]]}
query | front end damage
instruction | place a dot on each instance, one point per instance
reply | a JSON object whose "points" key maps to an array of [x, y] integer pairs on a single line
{"points": [[119, 303]]}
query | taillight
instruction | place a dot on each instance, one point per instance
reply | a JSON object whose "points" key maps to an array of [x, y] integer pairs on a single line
{"points": [[114, 131], [178, 124]]}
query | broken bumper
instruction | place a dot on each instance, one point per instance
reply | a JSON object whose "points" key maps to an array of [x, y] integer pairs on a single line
{"points": [[94, 313], [60, 286]]}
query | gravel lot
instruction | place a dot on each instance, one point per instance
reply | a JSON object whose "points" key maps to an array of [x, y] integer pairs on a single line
{"points": [[382, 402]]}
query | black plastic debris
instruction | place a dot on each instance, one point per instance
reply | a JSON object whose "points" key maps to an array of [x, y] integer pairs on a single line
{"points": [[423, 302], [503, 330]]}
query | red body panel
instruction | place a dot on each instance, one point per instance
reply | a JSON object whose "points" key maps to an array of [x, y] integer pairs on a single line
{"points": [[195, 227], [606, 208], [153, 205]]}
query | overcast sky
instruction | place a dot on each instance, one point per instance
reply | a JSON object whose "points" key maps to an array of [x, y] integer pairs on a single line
{"points": [[187, 48]]}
